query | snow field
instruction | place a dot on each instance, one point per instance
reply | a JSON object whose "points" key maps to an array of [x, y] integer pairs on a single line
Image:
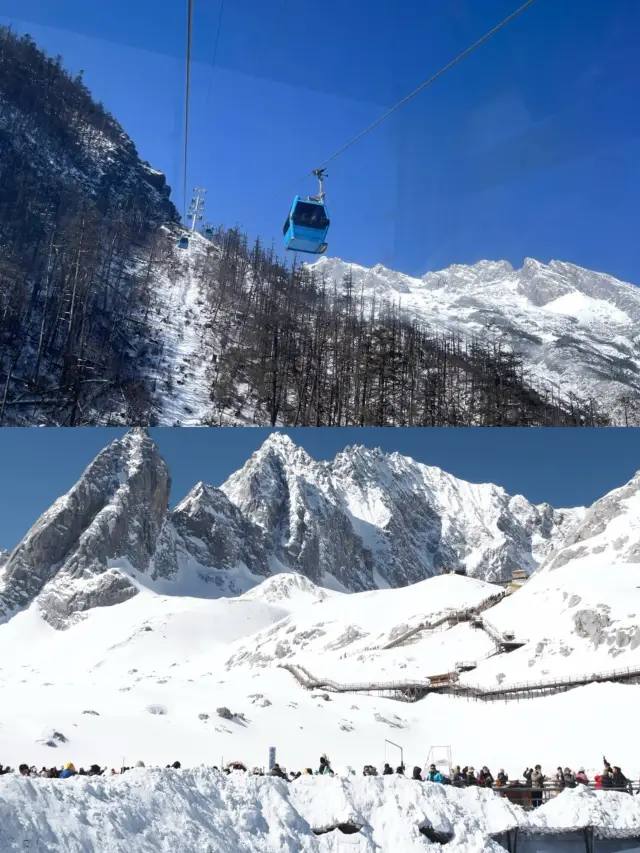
{"points": [[154, 693]]}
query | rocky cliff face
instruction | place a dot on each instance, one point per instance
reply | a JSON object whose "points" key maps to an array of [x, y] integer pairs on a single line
{"points": [[370, 519], [365, 520], [207, 540], [610, 530], [114, 514]]}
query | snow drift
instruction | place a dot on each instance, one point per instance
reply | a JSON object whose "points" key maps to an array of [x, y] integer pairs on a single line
{"points": [[204, 811]]}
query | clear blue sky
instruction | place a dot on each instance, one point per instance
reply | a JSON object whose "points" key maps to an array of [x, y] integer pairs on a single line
{"points": [[566, 467], [530, 147]]}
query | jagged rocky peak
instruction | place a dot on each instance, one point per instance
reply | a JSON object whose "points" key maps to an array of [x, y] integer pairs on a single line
{"points": [[609, 529], [78, 553], [262, 486], [211, 530], [292, 498]]}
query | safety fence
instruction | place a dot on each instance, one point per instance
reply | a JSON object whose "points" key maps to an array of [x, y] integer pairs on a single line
{"points": [[448, 684]]}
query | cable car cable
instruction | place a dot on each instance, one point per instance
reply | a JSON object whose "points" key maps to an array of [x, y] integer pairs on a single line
{"points": [[424, 85], [186, 110], [215, 51]]}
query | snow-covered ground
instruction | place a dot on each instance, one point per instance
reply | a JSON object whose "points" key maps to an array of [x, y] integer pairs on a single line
{"points": [[204, 811], [144, 679], [180, 314]]}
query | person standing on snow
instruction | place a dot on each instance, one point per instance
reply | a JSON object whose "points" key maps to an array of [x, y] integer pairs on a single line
{"points": [[537, 784], [434, 774], [325, 765]]}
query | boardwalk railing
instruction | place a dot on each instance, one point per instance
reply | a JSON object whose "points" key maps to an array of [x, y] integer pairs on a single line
{"points": [[503, 641], [412, 691]]}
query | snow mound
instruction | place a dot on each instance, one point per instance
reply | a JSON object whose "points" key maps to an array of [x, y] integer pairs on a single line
{"points": [[286, 587], [204, 811], [610, 812]]}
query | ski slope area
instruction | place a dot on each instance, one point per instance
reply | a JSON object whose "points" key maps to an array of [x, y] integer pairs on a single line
{"points": [[161, 811], [182, 389]]}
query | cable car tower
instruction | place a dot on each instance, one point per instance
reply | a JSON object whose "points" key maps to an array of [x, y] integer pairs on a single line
{"points": [[196, 211]]}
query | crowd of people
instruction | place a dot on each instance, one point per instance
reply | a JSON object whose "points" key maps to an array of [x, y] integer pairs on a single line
{"points": [[533, 779], [69, 770]]}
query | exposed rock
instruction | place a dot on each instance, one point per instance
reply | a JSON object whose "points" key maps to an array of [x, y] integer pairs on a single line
{"points": [[225, 713], [113, 514]]}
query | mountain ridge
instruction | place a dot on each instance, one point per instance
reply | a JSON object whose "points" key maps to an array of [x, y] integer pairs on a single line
{"points": [[364, 520], [574, 327]]}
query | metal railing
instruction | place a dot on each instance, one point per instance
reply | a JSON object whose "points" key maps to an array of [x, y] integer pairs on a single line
{"points": [[414, 690]]}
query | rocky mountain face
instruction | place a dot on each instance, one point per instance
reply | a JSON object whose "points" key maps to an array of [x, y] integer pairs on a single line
{"points": [[610, 530], [369, 519], [576, 329], [114, 513], [365, 520]]}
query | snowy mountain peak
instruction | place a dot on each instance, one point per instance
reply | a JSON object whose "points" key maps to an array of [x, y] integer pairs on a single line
{"points": [[608, 532], [285, 586], [363, 521], [69, 559], [282, 445], [575, 329]]}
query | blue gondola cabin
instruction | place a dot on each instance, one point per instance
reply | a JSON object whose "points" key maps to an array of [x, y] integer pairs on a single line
{"points": [[306, 227], [183, 243]]}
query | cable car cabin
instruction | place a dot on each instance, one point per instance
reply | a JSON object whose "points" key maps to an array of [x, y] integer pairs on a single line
{"points": [[183, 243], [306, 227], [208, 233]]}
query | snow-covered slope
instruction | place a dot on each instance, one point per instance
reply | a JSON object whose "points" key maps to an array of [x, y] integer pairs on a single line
{"points": [[577, 329], [144, 678], [180, 319]]}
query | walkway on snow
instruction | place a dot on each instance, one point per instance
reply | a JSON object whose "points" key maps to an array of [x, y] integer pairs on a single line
{"points": [[413, 691], [505, 641]]}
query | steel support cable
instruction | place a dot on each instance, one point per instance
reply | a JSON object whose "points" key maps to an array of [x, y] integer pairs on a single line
{"points": [[420, 88], [215, 51], [186, 107]]}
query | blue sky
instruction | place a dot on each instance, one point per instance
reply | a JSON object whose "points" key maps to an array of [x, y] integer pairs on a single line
{"points": [[529, 147], [566, 467]]}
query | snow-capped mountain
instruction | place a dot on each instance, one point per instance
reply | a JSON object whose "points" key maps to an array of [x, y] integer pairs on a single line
{"points": [[176, 620], [365, 520], [70, 561], [576, 329], [369, 519]]}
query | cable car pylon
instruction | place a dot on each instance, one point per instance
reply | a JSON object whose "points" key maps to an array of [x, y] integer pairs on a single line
{"points": [[194, 215]]}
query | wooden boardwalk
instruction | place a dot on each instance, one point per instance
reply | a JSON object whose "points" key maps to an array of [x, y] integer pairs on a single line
{"points": [[413, 691], [505, 641]]}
